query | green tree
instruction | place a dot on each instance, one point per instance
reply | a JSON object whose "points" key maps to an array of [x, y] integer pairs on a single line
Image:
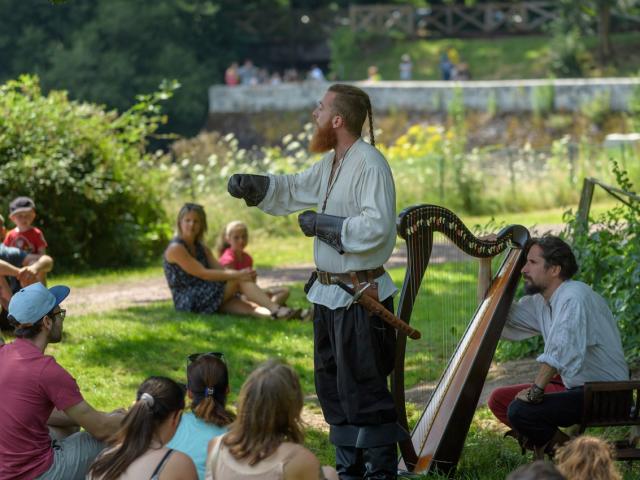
{"points": [[98, 194]]}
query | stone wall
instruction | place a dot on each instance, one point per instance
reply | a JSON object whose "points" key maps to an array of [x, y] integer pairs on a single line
{"points": [[501, 96]]}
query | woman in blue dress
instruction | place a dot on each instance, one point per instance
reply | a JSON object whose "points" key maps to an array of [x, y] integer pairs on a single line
{"points": [[199, 284]]}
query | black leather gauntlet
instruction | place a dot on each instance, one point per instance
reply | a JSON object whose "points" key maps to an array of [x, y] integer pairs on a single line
{"points": [[327, 228], [252, 188]]}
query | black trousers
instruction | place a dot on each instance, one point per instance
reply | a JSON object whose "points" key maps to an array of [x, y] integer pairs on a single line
{"points": [[540, 422], [353, 355]]}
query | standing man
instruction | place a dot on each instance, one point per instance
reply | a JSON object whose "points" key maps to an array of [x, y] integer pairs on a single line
{"points": [[36, 393], [581, 344], [353, 193]]}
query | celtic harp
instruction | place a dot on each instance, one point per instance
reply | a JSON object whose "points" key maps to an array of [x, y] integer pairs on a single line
{"points": [[439, 435]]}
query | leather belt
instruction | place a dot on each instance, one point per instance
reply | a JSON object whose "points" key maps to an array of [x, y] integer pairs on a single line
{"points": [[328, 278]]}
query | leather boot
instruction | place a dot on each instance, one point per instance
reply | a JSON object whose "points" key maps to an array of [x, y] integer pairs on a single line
{"points": [[549, 448], [381, 462], [349, 463]]}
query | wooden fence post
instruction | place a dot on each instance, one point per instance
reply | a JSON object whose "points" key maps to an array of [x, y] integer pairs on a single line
{"points": [[585, 204]]}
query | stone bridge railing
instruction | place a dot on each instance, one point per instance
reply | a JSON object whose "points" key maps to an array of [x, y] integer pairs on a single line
{"points": [[500, 96]]}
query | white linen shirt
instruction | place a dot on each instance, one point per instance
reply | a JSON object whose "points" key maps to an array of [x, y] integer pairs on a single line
{"points": [[581, 337], [362, 190]]}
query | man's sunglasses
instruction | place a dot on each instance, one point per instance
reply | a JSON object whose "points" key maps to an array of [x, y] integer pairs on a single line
{"points": [[61, 314]]}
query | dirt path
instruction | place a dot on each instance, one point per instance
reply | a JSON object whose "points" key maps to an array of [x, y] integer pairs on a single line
{"points": [[130, 293]]}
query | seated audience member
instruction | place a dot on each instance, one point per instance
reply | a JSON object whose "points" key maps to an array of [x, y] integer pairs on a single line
{"points": [[199, 284], [139, 449], [232, 254], [18, 269], [581, 344], [538, 470], [32, 385], [26, 237], [207, 387], [587, 457], [265, 440]]}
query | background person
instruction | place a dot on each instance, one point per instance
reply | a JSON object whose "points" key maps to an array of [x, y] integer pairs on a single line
{"points": [[199, 284], [139, 451], [538, 470], [581, 344], [26, 237], [207, 387], [587, 457], [265, 440], [232, 254], [32, 385], [18, 269], [405, 67]]}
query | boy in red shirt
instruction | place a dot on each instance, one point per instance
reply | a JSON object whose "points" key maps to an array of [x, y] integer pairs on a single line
{"points": [[22, 212]]}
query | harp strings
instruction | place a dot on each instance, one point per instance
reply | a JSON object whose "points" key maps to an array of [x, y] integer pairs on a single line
{"points": [[445, 302]]}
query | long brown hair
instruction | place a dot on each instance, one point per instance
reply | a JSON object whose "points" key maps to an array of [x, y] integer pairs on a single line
{"points": [[354, 105], [208, 382], [587, 457], [202, 216], [156, 400], [269, 407]]}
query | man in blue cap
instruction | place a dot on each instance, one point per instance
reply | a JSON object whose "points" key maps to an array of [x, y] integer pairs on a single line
{"points": [[35, 391]]}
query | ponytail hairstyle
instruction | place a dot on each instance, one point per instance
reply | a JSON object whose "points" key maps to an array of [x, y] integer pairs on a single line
{"points": [[208, 382], [354, 105], [156, 400], [222, 244]]}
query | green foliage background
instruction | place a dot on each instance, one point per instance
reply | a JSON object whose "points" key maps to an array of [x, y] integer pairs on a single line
{"points": [[98, 198], [609, 257]]}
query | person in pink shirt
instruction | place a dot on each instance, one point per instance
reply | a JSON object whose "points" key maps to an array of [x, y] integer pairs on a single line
{"points": [[232, 255], [26, 237], [36, 393]]}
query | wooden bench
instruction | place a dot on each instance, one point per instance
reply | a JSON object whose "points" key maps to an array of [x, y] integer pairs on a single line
{"points": [[613, 404]]}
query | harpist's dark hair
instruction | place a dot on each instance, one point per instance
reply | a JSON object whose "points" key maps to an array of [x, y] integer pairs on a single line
{"points": [[556, 251]]}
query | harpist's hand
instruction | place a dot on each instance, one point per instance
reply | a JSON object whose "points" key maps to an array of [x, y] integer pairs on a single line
{"points": [[252, 188]]}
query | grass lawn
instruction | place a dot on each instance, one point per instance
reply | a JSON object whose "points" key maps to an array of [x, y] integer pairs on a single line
{"points": [[111, 353], [488, 59], [273, 252]]}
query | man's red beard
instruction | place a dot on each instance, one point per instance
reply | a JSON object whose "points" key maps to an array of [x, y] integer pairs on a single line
{"points": [[324, 139]]}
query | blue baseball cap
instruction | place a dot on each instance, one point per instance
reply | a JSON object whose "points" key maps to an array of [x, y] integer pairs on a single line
{"points": [[29, 304]]}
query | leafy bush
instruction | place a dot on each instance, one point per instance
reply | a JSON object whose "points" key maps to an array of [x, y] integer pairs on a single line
{"points": [[569, 56], [609, 259], [97, 192], [597, 109]]}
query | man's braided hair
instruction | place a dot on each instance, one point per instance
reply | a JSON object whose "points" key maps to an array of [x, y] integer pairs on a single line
{"points": [[353, 104]]}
